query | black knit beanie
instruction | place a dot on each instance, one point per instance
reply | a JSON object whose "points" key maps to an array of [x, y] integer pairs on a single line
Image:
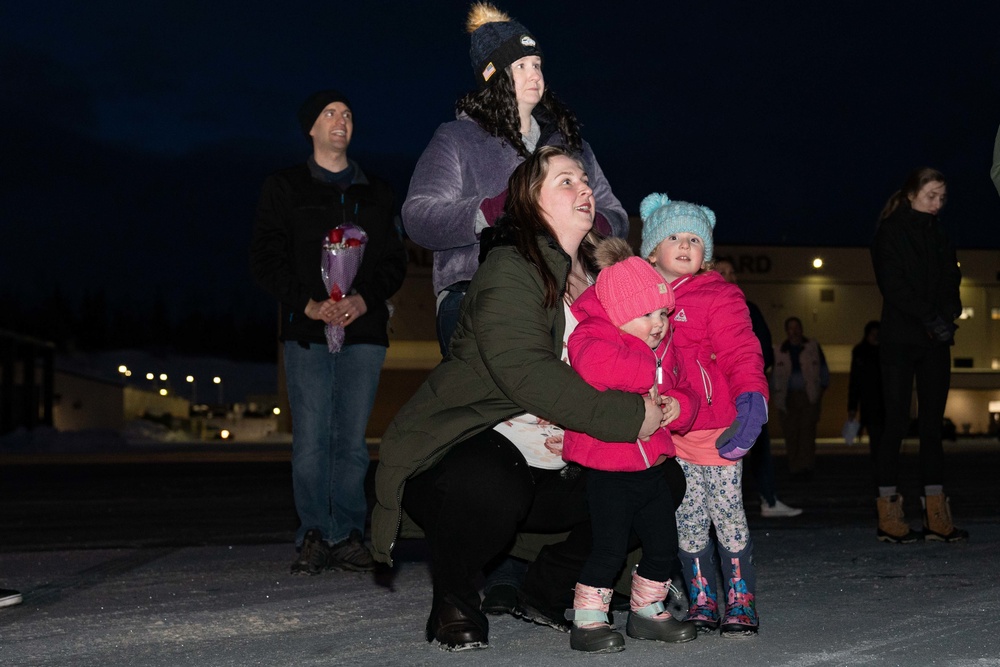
{"points": [[314, 105]]}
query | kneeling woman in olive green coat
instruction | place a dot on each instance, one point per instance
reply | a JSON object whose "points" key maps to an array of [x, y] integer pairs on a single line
{"points": [[474, 458]]}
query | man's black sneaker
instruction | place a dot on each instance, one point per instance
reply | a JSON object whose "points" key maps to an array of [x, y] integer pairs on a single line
{"points": [[314, 555], [351, 554]]}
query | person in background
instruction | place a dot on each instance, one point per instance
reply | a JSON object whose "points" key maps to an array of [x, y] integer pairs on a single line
{"points": [[864, 390], [995, 169], [459, 184], [799, 379], [760, 455], [917, 272], [331, 394]]}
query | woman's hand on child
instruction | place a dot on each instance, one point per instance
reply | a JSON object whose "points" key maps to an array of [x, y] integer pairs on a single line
{"points": [[654, 417]]}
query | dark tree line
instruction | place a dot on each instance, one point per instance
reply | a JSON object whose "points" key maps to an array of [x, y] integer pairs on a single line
{"points": [[91, 323]]}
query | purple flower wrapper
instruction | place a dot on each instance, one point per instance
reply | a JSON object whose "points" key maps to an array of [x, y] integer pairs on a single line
{"points": [[339, 266]]}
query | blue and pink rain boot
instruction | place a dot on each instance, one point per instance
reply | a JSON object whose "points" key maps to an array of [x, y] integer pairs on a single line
{"points": [[699, 571], [740, 574]]}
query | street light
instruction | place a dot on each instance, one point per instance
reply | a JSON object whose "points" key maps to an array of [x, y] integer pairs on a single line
{"points": [[194, 388], [218, 381]]}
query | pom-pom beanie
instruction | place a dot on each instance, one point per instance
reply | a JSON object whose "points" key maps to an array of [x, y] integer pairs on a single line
{"points": [[497, 41], [662, 217]]}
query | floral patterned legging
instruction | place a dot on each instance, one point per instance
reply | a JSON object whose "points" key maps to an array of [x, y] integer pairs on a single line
{"points": [[714, 495]]}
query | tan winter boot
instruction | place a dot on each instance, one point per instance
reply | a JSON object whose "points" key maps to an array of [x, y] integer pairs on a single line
{"points": [[650, 619], [938, 526], [591, 631], [892, 527]]}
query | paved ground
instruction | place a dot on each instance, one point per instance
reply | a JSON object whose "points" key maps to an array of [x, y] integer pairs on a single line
{"points": [[185, 562]]}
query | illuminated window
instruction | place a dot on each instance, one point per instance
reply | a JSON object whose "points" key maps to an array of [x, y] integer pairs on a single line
{"points": [[995, 313]]}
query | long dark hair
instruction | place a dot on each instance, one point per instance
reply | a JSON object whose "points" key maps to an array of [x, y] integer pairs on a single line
{"points": [[524, 222], [495, 109], [914, 182]]}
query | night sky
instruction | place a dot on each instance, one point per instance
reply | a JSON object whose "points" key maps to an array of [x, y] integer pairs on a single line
{"points": [[137, 135]]}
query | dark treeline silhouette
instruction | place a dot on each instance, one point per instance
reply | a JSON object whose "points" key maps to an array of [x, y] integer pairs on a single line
{"points": [[92, 324]]}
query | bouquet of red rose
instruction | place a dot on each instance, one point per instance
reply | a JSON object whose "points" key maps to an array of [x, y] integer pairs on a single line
{"points": [[343, 248]]}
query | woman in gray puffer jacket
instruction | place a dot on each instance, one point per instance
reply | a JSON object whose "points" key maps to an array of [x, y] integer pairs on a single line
{"points": [[459, 185]]}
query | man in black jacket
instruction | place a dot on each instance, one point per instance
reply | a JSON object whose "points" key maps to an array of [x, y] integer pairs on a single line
{"points": [[331, 393]]}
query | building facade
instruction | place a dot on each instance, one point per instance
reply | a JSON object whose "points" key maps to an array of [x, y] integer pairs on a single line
{"points": [[833, 292]]}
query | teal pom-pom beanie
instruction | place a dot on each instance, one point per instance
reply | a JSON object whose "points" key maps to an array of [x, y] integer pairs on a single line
{"points": [[662, 217]]}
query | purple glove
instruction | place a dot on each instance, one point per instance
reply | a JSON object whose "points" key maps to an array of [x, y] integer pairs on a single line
{"points": [[492, 207], [751, 415]]}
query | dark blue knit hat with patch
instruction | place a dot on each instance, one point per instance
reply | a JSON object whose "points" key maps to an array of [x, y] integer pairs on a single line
{"points": [[497, 42]]}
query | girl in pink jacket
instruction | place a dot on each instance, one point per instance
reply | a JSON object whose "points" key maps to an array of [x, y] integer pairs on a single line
{"points": [[723, 361], [622, 342]]}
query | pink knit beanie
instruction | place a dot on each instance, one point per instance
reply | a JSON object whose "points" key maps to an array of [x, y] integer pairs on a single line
{"points": [[631, 288]]}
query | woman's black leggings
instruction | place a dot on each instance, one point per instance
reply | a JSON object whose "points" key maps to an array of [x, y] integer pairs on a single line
{"points": [[473, 502], [931, 366]]}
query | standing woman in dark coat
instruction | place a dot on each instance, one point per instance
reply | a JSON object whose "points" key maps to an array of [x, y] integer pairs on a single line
{"points": [[918, 275]]}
